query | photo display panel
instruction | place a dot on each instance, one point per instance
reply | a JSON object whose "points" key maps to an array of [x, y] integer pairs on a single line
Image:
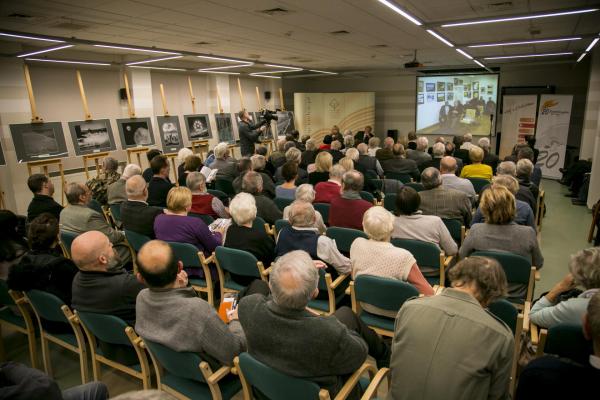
{"points": [[224, 128], [35, 142], [198, 127], [135, 132], [457, 104], [170, 133], [285, 122], [92, 136]]}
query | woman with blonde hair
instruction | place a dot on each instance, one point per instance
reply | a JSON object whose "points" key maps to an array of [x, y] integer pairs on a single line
{"points": [[476, 169], [323, 164], [347, 163]]}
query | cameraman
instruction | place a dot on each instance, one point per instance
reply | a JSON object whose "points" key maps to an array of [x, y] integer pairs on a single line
{"points": [[249, 133]]}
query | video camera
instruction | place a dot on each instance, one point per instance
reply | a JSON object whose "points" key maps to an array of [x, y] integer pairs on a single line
{"points": [[268, 115]]}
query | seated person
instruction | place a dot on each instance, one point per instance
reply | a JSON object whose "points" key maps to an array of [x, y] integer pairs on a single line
{"points": [[524, 194], [303, 236], [102, 285], [289, 172], [309, 155], [99, 184], [79, 218], [323, 164], [295, 155], [385, 153], [43, 189], [269, 168], [203, 202], [176, 226], [13, 245], [259, 163], [182, 155], [445, 203], [191, 164], [224, 163], [489, 159], [551, 377], [247, 164], [335, 151], [266, 209], [116, 192], [325, 191], [437, 331], [451, 181], [437, 153], [41, 268], [276, 329], [136, 215], [373, 144], [527, 152], [378, 257], [410, 223], [306, 193], [327, 139], [148, 174], [419, 155], [584, 269], [159, 185], [368, 165], [524, 175], [348, 209], [242, 236], [399, 164], [476, 169]]}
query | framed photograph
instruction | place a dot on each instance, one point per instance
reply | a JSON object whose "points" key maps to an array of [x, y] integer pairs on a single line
{"points": [[430, 97], [482, 90], [449, 86], [475, 86], [170, 133], [2, 159], [441, 86], [441, 97], [456, 80], [490, 89], [476, 95], [430, 87], [467, 94], [198, 126], [420, 99], [92, 136], [450, 96], [420, 86], [285, 122], [34, 142], [135, 132], [467, 87], [224, 128]]}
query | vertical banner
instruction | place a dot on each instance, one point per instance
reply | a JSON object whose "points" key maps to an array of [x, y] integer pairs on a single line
{"points": [[552, 133], [518, 121]]}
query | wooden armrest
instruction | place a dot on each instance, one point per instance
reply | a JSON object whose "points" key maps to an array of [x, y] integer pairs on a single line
{"points": [[218, 375], [353, 380], [448, 260], [541, 343], [234, 370], [526, 311], [267, 271], [538, 275], [339, 280], [375, 382], [348, 291], [209, 259], [534, 332]]}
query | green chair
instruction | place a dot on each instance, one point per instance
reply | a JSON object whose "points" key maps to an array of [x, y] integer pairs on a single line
{"points": [[565, 340], [518, 270], [389, 202], [335, 290], [479, 184], [367, 196], [280, 224], [323, 208], [260, 224], [282, 203], [225, 186], [428, 255], [48, 307], [276, 385], [112, 331], [207, 219], [239, 262], [189, 255], [456, 228], [96, 206], [22, 323], [404, 178], [384, 293], [115, 213], [415, 185], [220, 195], [136, 240], [182, 379], [66, 240], [344, 237]]}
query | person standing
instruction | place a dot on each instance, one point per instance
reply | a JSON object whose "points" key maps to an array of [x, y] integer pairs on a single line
{"points": [[249, 133]]}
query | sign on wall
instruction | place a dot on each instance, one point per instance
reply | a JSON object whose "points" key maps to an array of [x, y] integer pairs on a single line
{"points": [[518, 121], [552, 133]]}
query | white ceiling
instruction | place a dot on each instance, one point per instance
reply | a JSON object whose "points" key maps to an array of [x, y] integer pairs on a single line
{"points": [[377, 38]]}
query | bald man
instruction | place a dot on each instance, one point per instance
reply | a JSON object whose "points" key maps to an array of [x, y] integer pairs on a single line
{"points": [[116, 190], [102, 285], [448, 167], [136, 215]]}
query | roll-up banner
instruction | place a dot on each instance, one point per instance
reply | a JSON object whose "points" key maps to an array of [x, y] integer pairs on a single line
{"points": [[552, 133], [518, 121]]}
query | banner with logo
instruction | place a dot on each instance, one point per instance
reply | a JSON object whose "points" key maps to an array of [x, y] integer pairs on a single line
{"points": [[518, 121], [316, 113], [552, 133]]}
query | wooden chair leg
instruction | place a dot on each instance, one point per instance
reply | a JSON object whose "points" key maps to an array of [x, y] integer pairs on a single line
{"points": [[83, 366], [46, 356], [32, 349]]}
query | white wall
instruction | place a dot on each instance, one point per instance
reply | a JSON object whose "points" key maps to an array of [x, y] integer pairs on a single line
{"points": [[591, 109]]}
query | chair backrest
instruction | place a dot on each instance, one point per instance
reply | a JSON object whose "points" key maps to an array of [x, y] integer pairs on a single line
{"points": [[107, 328], [47, 305], [506, 311], [567, 340], [415, 185], [219, 194], [181, 364], [454, 226], [282, 203], [479, 184], [96, 206], [259, 223], [385, 293], [344, 237], [404, 178], [207, 219], [367, 196], [323, 208], [427, 254], [186, 253], [517, 268], [5, 297], [225, 186], [115, 211], [280, 224], [239, 262], [389, 202], [136, 240], [67, 239], [274, 384]]}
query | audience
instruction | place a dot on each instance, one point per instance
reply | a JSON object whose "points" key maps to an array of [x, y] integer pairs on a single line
{"points": [[309, 155], [434, 334], [323, 164], [148, 174], [526, 152], [443, 202], [224, 163], [277, 329], [266, 209], [348, 209], [346, 163], [467, 142], [410, 223], [269, 168], [327, 139], [325, 191], [399, 164], [116, 192], [258, 164], [476, 169], [182, 156], [412, 141], [419, 155], [451, 181], [437, 152], [368, 165], [278, 156], [335, 151], [43, 189], [13, 245], [450, 153], [489, 158], [99, 184], [293, 155], [191, 164], [136, 215], [159, 185], [584, 272], [204, 203], [386, 152], [524, 194], [373, 144], [524, 175], [287, 190], [306, 193]]}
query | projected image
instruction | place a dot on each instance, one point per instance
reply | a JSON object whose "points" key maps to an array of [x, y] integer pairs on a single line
{"points": [[466, 105]]}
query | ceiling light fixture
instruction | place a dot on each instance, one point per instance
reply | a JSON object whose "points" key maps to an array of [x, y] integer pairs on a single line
{"points": [[581, 57], [106, 46], [66, 61], [265, 76], [519, 18], [400, 11], [525, 42], [439, 37], [219, 72], [45, 50], [248, 64], [284, 66], [283, 71], [568, 53], [151, 60], [591, 45], [163, 68], [323, 72], [480, 64], [31, 37], [222, 59], [464, 54]]}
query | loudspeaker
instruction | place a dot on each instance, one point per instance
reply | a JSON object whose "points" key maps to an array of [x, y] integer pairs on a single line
{"points": [[393, 133], [123, 94], [267, 95]]}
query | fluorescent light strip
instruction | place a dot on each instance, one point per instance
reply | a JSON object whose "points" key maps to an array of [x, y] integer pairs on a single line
{"points": [[524, 17], [164, 68], [400, 11], [153, 60], [265, 76], [525, 42], [45, 50], [323, 72], [226, 67], [284, 66], [279, 71], [219, 72], [529, 55], [464, 54], [66, 62], [136, 49], [592, 45], [439, 37], [31, 37], [480, 64], [581, 57], [222, 59]]}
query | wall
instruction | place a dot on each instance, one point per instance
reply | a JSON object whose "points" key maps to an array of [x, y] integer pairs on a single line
{"points": [[590, 143]]}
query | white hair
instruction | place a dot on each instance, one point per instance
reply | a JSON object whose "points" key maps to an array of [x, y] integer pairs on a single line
{"points": [[196, 182], [353, 153], [135, 186], [301, 214], [484, 143], [348, 140], [293, 154], [336, 145], [378, 223], [524, 168], [422, 143], [293, 280], [439, 149], [131, 170], [243, 208], [311, 145], [337, 171], [258, 162], [507, 168], [467, 137], [221, 150], [305, 192], [182, 154]]}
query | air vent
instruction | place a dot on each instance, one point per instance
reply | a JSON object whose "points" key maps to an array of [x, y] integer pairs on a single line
{"points": [[71, 26], [342, 32], [275, 11]]}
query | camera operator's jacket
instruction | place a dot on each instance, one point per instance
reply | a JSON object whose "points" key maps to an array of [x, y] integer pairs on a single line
{"points": [[248, 136]]}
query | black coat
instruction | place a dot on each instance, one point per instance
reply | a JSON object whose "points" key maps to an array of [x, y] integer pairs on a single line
{"points": [[43, 204], [138, 217], [248, 136]]}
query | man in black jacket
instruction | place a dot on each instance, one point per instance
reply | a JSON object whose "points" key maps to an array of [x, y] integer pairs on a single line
{"points": [[136, 215], [249, 133], [159, 185], [43, 190], [252, 183]]}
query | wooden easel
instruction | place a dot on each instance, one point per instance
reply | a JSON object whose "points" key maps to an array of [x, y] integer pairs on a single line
{"points": [[43, 165], [192, 97], [219, 107], [35, 118], [96, 158], [170, 156], [136, 151], [266, 142], [281, 99], [258, 99], [198, 146], [239, 85]]}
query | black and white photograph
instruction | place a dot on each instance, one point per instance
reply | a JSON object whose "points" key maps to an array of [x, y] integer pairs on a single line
{"points": [[92, 136], [198, 126], [135, 132], [475, 86], [170, 133], [34, 142], [285, 122], [2, 159], [224, 128]]}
